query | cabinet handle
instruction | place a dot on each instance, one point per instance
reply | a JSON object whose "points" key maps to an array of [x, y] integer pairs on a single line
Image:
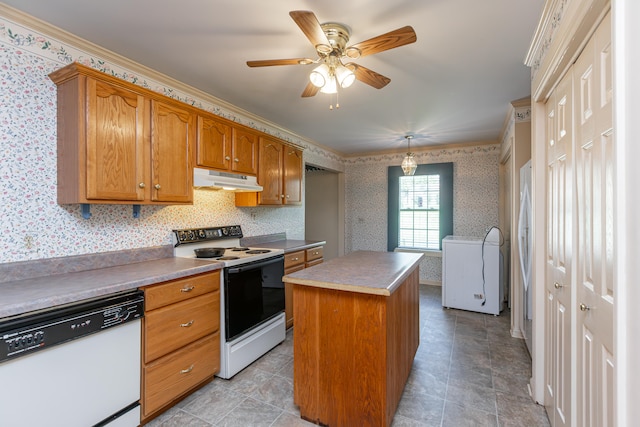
{"points": [[287, 196], [236, 160], [186, 325], [316, 253], [186, 371], [157, 186], [141, 185], [227, 158], [282, 196], [294, 259], [584, 307], [558, 285], [187, 289]]}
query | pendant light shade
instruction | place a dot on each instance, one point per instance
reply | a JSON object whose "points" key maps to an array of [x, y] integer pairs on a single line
{"points": [[409, 164]]}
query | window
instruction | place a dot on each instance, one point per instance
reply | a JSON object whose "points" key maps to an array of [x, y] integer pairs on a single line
{"points": [[420, 207]]}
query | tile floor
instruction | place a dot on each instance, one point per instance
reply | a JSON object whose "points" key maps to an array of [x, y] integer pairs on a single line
{"points": [[468, 371]]}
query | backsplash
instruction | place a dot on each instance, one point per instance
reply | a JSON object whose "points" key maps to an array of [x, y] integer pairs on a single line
{"points": [[33, 225]]}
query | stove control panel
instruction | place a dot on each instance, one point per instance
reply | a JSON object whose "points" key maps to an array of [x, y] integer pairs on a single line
{"points": [[195, 235]]}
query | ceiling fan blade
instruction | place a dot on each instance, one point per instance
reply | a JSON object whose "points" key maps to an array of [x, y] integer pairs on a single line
{"points": [[390, 40], [311, 28], [368, 76], [310, 90], [270, 62]]}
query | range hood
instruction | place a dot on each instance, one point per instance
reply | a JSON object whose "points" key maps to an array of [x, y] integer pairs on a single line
{"points": [[208, 179]]}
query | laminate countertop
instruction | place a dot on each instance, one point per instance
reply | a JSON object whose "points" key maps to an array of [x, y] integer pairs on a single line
{"points": [[26, 295], [369, 272]]}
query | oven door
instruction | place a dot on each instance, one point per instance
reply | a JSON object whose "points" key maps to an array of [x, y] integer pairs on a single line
{"points": [[253, 293]]}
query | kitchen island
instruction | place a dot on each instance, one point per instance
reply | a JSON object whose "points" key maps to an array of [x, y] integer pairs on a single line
{"points": [[355, 337]]}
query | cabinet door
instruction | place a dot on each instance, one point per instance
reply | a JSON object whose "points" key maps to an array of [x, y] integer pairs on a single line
{"points": [[172, 134], [213, 146], [270, 173], [292, 175], [115, 146], [244, 147]]}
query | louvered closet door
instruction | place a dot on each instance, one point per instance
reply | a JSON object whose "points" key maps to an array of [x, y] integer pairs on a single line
{"points": [[558, 288], [594, 226]]}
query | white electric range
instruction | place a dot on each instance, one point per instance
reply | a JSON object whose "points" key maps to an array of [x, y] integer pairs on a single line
{"points": [[252, 319]]}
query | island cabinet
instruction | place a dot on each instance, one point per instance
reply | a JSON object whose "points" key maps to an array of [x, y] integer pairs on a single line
{"points": [[181, 339], [226, 146], [355, 337], [279, 173], [119, 142], [296, 261]]}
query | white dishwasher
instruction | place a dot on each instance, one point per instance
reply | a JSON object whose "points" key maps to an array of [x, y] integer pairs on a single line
{"points": [[73, 365]]}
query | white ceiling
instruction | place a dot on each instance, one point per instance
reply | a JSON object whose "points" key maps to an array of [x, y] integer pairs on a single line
{"points": [[452, 86]]}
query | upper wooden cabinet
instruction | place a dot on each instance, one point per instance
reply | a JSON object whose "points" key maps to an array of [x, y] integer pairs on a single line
{"points": [[244, 150], [213, 146], [226, 146], [121, 143], [279, 173]]}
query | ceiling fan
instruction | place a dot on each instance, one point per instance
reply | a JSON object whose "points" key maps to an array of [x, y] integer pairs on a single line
{"points": [[330, 41]]}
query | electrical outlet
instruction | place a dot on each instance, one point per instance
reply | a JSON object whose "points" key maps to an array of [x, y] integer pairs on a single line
{"points": [[477, 296], [28, 242]]}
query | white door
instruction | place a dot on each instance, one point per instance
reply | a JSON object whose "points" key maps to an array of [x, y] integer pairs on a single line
{"points": [[594, 220], [558, 289]]}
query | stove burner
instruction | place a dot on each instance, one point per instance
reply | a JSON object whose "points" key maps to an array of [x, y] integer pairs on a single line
{"points": [[240, 249], [228, 258], [258, 251]]}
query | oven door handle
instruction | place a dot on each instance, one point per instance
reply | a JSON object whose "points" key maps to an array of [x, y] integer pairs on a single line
{"points": [[253, 266]]}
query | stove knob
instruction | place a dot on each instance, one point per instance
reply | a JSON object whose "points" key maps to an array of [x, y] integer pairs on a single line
{"points": [[225, 231], [201, 234]]}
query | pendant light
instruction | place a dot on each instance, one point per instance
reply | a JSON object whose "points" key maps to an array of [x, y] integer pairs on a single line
{"points": [[409, 164]]}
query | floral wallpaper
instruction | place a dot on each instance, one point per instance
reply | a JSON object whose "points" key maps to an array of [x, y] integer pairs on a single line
{"points": [[33, 225]]}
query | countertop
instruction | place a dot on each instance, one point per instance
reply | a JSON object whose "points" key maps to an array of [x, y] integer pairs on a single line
{"points": [[22, 296], [289, 245], [378, 273]]}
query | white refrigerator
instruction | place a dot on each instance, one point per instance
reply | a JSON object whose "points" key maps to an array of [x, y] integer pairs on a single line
{"points": [[472, 273]]}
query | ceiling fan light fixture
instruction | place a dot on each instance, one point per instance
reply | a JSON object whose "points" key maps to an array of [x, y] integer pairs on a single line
{"points": [[320, 75], [409, 164], [330, 86], [345, 76]]}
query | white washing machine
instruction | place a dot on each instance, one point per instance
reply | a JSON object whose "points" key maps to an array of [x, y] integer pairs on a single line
{"points": [[472, 273]]}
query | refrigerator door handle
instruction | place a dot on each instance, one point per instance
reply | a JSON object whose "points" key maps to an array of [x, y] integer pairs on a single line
{"points": [[524, 242]]}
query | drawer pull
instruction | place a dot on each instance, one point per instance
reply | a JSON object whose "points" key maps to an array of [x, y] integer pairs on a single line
{"points": [[187, 289], [294, 259], [186, 325], [186, 371]]}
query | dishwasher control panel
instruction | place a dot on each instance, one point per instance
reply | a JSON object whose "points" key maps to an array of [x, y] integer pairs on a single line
{"points": [[25, 334]]}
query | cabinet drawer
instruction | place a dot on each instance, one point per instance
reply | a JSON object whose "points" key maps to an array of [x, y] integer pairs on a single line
{"points": [[293, 258], [171, 376], [314, 253], [314, 262], [176, 325], [156, 296]]}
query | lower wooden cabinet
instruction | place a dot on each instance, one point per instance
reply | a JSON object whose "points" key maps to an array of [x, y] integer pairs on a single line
{"points": [[180, 340], [179, 372], [296, 261]]}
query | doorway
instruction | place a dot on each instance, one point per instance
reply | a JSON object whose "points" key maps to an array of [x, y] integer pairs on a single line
{"points": [[324, 209]]}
